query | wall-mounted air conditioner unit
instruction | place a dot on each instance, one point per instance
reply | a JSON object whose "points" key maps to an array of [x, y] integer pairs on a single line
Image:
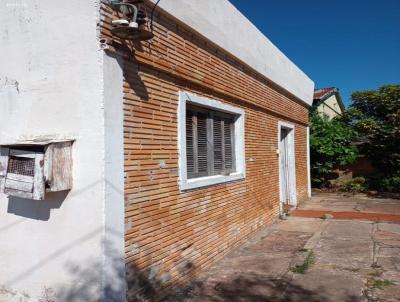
{"points": [[29, 171]]}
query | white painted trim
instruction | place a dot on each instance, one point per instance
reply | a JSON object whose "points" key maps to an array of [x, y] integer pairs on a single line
{"points": [[220, 22], [308, 163], [292, 162], [113, 276], [184, 182]]}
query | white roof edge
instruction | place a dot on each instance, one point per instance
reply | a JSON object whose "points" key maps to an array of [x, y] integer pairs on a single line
{"points": [[220, 22]]}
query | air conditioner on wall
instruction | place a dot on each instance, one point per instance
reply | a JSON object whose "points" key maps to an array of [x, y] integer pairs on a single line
{"points": [[29, 171]]}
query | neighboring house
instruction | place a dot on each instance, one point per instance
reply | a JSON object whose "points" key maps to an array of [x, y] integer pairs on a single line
{"points": [[182, 146], [328, 102]]}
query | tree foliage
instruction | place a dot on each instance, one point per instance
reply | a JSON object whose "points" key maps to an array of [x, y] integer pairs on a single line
{"points": [[375, 115], [331, 145]]}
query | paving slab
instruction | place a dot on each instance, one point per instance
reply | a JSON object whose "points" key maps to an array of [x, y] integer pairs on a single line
{"points": [[263, 265], [350, 215], [388, 251], [298, 224], [243, 287], [346, 202], [353, 230], [325, 285], [389, 263], [389, 227], [344, 253], [387, 235]]}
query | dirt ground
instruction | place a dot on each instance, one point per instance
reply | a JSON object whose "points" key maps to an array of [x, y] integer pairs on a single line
{"points": [[312, 259]]}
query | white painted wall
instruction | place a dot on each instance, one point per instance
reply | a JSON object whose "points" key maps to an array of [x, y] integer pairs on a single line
{"points": [[220, 22], [330, 107], [308, 163], [114, 281], [51, 85]]}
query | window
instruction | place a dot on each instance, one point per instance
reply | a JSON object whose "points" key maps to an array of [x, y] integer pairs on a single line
{"points": [[211, 142]]}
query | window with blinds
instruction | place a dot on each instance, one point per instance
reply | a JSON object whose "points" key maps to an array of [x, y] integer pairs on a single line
{"points": [[209, 142]]}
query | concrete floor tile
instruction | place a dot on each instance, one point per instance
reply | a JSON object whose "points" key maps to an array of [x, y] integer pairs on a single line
{"points": [[389, 227], [298, 224], [389, 263], [385, 251], [354, 230], [325, 286], [344, 253]]}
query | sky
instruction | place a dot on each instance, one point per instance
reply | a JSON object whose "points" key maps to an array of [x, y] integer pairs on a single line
{"points": [[350, 44]]}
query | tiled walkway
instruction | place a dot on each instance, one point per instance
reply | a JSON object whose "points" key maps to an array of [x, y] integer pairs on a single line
{"points": [[350, 206], [347, 215]]}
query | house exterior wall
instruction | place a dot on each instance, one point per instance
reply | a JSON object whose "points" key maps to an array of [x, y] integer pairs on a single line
{"points": [[330, 107], [51, 87], [120, 107], [172, 235]]}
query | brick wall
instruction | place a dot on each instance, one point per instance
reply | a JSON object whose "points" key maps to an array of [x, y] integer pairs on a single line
{"points": [[170, 235]]}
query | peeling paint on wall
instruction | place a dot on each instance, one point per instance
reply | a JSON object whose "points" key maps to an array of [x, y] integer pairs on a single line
{"points": [[9, 82]]}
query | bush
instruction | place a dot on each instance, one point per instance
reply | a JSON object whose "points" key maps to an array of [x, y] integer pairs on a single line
{"points": [[357, 184], [331, 145], [375, 116], [390, 184], [383, 183]]}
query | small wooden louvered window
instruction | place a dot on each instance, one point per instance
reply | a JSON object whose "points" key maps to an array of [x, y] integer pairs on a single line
{"points": [[209, 142]]}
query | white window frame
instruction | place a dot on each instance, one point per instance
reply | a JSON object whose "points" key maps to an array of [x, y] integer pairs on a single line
{"points": [[240, 173]]}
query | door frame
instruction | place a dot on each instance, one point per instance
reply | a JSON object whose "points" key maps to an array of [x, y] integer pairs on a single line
{"points": [[291, 162]]}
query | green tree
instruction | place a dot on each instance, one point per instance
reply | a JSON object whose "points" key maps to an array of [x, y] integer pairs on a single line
{"points": [[375, 115], [331, 145]]}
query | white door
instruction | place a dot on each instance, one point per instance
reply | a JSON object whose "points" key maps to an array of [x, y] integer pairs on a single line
{"points": [[287, 166], [285, 193]]}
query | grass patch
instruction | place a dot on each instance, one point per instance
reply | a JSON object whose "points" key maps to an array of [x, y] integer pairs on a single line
{"points": [[382, 283], [353, 270], [301, 269], [376, 273], [326, 217]]}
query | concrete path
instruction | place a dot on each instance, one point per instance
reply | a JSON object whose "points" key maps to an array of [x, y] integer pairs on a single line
{"points": [[347, 202], [350, 206], [307, 259]]}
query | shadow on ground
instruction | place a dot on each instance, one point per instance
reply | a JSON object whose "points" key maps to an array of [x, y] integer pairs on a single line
{"points": [[252, 288]]}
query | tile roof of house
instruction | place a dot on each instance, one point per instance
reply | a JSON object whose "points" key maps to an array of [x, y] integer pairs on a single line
{"points": [[323, 92]]}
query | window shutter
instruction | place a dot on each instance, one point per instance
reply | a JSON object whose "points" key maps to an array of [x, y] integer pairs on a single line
{"points": [[229, 146], [190, 158], [202, 144], [209, 143], [218, 145]]}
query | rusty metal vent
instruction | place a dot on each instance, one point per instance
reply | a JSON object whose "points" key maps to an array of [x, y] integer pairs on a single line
{"points": [[21, 166]]}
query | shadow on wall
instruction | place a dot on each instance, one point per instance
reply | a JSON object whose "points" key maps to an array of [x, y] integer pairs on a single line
{"points": [[131, 71], [120, 281], [85, 278], [92, 283], [36, 209]]}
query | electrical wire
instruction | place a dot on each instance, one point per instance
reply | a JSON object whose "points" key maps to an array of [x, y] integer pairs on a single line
{"points": [[152, 15]]}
